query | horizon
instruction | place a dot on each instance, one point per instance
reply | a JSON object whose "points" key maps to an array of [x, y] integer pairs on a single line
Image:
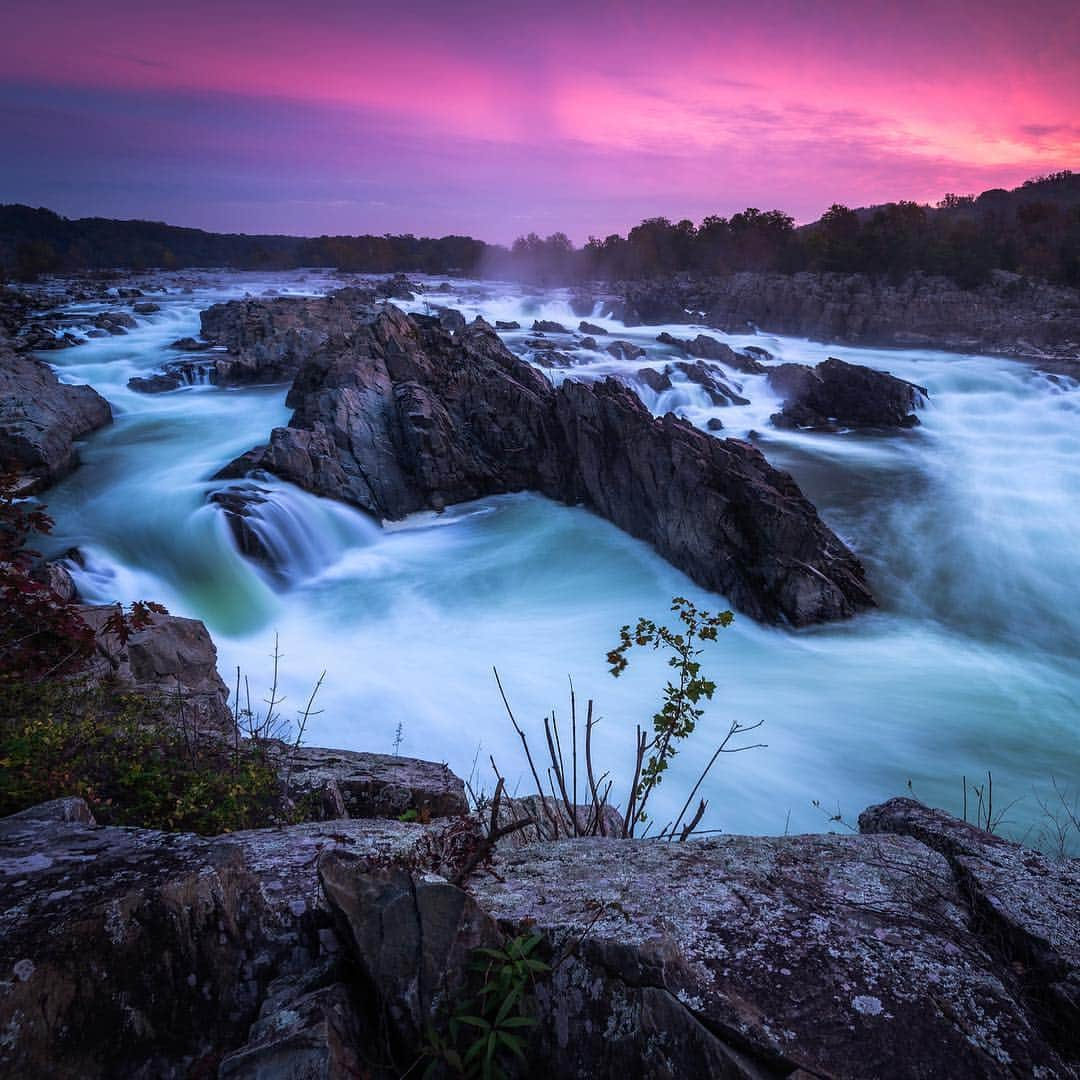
{"points": [[255, 119]]}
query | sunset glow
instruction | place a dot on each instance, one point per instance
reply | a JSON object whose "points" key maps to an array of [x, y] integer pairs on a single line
{"points": [[353, 117]]}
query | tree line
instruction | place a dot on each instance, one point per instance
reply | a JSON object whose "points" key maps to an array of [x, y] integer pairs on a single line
{"points": [[1033, 230]]}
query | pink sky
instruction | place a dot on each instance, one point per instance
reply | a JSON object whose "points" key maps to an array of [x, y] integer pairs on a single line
{"points": [[499, 118]]}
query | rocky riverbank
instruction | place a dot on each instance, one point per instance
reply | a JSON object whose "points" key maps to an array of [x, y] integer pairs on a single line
{"points": [[1010, 315], [920, 947]]}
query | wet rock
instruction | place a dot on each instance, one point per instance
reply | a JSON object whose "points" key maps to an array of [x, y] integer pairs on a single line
{"points": [[402, 416], [588, 343], [175, 375], [591, 328], [398, 287], [511, 325], [758, 957], [659, 381], [41, 418], [836, 395], [714, 423], [114, 322], [450, 319], [720, 393], [189, 344], [375, 785], [624, 350], [236, 502], [145, 307], [710, 349], [546, 326]]}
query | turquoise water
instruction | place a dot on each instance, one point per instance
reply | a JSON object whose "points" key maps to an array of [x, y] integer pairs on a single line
{"points": [[968, 526]]}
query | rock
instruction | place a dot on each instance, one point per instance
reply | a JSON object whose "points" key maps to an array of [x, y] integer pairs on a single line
{"points": [[1023, 902], [375, 785], [711, 349], [707, 378], [411, 936], [1008, 315], [757, 352], [189, 344], [236, 502], [171, 655], [175, 375], [837, 394], [551, 820], [450, 319], [114, 322], [145, 307], [588, 343], [546, 326], [624, 350], [41, 418], [591, 328], [500, 325], [658, 381], [129, 952], [753, 957], [402, 416], [398, 287], [158, 383], [714, 423]]}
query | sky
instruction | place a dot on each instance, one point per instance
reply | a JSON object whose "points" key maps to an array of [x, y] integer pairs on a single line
{"points": [[499, 118]]}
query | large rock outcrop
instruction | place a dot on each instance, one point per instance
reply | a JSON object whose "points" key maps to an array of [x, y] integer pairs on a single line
{"points": [[836, 394], [395, 414], [42, 418], [921, 948], [1009, 314]]}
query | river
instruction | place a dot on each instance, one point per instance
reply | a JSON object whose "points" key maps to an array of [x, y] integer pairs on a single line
{"points": [[969, 527]]}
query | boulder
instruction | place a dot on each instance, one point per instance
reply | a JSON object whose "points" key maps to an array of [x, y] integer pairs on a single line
{"points": [[1027, 905], [170, 656], [189, 344], [624, 350], [130, 952], [41, 418], [591, 328], [402, 416], [145, 307], [361, 785], [511, 325], [659, 381], [753, 957], [836, 394], [546, 326], [710, 349], [450, 319]]}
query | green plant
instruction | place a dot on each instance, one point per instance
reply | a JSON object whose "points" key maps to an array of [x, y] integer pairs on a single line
{"points": [[487, 1026]]}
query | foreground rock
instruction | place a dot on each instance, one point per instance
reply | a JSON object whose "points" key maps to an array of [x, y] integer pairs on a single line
{"points": [[42, 418], [836, 394], [921, 948], [711, 349], [395, 414], [134, 953]]}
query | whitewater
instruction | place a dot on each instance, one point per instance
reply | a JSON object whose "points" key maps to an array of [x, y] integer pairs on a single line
{"points": [[968, 526]]}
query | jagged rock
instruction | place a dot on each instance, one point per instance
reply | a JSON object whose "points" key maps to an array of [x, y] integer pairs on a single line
{"points": [[1027, 904], [375, 785], [129, 952], [398, 287], [847, 957], [654, 380], [450, 319], [591, 328], [171, 655], [236, 503], [707, 378], [511, 325], [41, 418], [624, 350], [546, 326], [401, 416], [710, 349], [837, 394]]}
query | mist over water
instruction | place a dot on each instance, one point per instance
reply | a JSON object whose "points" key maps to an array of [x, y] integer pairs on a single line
{"points": [[967, 525]]}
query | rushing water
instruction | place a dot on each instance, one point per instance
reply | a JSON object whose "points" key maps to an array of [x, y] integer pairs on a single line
{"points": [[968, 526]]}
